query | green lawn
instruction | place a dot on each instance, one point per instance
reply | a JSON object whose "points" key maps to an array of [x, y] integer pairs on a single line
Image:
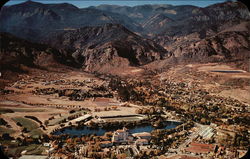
{"points": [[26, 123], [38, 151], [13, 110], [36, 132], [6, 130], [31, 125], [6, 110], [32, 149]]}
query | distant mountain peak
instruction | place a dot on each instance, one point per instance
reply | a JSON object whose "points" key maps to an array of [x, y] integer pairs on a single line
{"points": [[64, 6], [31, 3]]}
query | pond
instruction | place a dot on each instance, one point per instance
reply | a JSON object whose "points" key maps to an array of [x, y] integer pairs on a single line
{"points": [[228, 71], [72, 131]]}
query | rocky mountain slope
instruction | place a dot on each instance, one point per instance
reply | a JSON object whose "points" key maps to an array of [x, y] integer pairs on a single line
{"points": [[33, 20], [212, 18], [186, 19], [90, 48], [93, 47], [15, 52], [157, 23], [142, 13], [230, 46], [110, 36]]}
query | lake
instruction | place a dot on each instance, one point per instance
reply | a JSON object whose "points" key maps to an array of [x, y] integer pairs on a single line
{"points": [[228, 71], [101, 131]]}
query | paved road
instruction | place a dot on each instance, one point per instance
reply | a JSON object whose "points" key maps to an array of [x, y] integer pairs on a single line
{"points": [[190, 139]]}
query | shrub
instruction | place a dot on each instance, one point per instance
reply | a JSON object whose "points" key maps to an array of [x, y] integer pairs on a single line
{"points": [[3, 122], [34, 118]]}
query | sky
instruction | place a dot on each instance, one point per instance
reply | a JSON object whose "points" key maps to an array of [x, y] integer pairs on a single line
{"points": [[87, 3]]}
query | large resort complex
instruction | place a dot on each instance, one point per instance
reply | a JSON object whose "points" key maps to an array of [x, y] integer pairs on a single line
{"points": [[122, 136]]}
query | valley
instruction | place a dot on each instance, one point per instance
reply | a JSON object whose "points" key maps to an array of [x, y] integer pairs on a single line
{"points": [[124, 82], [55, 100]]}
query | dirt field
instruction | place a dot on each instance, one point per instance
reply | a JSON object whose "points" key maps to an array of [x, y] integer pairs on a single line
{"points": [[119, 111], [239, 94], [227, 84], [21, 111], [24, 102]]}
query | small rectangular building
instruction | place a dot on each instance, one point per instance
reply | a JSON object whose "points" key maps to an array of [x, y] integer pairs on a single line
{"points": [[143, 135]]}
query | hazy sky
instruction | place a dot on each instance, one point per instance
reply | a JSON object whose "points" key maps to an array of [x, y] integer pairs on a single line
{"points": [[87, 3]]}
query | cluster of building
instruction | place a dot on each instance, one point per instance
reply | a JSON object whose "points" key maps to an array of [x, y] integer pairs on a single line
{"points": [[118, 142], [122, 136]]}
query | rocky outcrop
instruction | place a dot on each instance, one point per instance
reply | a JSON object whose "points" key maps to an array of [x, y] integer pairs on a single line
{"points": [[156, 23], [15, 52], [93, 47], [231, 46]]}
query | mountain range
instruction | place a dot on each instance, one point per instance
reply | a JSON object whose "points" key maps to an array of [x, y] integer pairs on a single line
{"points": [[92, 47], [93, 37]]}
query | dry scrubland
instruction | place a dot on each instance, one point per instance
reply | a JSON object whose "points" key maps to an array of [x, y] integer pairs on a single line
{"points": [[207, 76], [24, 102]]}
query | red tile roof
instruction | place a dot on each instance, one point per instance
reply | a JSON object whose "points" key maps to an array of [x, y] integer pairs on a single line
{"points": [[105, 142], [143, 134], [120, 130], [142, 140]]}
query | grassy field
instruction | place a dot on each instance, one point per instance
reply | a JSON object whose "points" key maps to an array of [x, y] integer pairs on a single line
{"points": [[30, 125], [36, 132], [6, 110], [6, 130], [32, 149], [12, 110], [37, 151], [26, 123]]}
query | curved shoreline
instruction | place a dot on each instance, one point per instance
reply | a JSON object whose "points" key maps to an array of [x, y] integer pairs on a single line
{"points": [[146, 125]]}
